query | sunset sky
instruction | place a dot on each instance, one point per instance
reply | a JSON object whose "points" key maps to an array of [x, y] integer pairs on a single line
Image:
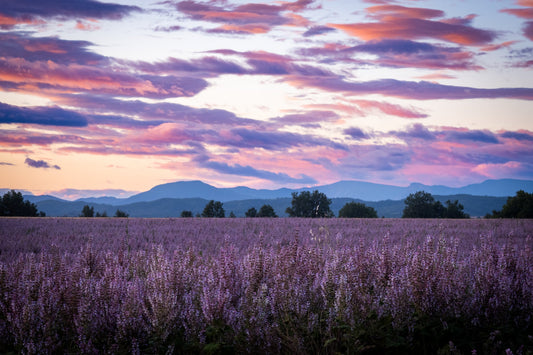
{"points": [[120, 96]]}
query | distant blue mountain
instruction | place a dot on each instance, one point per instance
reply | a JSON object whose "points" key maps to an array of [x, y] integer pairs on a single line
{"points": [[351, 189], [360, 190]]}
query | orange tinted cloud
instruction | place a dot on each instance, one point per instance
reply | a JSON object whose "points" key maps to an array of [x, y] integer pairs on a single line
{"points": [[399, 22]]}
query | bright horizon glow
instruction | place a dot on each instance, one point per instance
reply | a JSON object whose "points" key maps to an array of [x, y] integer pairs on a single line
{"points": [[120, 96]]}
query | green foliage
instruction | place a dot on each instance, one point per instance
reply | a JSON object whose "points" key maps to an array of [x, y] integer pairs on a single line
{"points": [[267, 211], [305, 204], [121, 214], [213, 209], [232, 215], [252, 212], [186, 214], [421, 204], [455, 210], [519, 206], [87, 211], [13, 204], [357, 210]]}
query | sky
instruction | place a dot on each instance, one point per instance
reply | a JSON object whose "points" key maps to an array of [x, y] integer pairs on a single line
{"points": [[115, 97]]}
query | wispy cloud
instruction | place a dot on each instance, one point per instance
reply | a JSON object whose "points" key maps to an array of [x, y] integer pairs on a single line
{"points": [[251, 18], [400, 22], [15, 12]]}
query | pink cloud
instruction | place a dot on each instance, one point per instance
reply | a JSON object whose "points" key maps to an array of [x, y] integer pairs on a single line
{"points": [[398, 53], [399, 22], [247, 18]]}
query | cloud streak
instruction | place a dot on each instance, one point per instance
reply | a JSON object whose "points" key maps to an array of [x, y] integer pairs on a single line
{"points": [[400, 22], [14, 12]]}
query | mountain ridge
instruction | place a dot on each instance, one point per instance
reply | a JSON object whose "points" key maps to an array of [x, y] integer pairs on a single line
{"points": [[366, 191]]}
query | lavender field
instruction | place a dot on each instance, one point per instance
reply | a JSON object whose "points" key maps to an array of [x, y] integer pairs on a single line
{"points": [[301, 286]]}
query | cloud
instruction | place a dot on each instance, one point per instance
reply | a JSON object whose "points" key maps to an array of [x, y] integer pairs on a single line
{"points": [[13, 12], [524, 13], [519, 136], [40, 164], [421, 90], [356, 133], [246, 18], [56, 77], [472, 135], [318, 30], [43, 115], [396, 53], [417, 131], [249, 171], [399, 22]]}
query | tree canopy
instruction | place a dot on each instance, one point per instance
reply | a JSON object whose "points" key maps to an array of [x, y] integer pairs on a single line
{"points": [[422, 204], [252, 212], [266, 211], [213, 209], [518, 206], [309, 205], [357, 210], [12, 203]]}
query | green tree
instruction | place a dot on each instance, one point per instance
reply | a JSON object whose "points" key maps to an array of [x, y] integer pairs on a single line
{"points": [[454, 210], [186, 214], [121, 214], [252, 212], [422, 205], [267, 211], [357, 210], [13, 204], [232, 215], [87, 211], [213, 209], [518, 206], [309, 205]]}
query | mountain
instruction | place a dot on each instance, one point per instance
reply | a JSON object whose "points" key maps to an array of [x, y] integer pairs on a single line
{"points": [[351, 189], [476, 206]]}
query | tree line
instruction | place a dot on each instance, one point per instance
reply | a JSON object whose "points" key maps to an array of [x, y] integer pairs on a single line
{"points": [[308, 204]]}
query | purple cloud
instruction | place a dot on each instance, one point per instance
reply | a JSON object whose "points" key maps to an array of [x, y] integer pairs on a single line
{"points": [[24, 45], [47, 116], [472, 135], [250, 171], [40, 164], [28, 11], [421, 90], [356, 133], [318, 30], [519, 136]]}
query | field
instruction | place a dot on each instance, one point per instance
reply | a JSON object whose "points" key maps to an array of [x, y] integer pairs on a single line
{"points": [[191, 285]]}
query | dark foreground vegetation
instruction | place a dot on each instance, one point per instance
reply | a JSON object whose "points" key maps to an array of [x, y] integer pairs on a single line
{"points": [[265, 285]]}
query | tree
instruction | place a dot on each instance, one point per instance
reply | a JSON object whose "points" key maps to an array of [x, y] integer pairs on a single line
{"points": [[309, 205], [121, 214], [267, 211], [13, 204], [454, 210], [357, 210], [87, 211], [518, 206], [252, 212], [232, 215], [213, 209], [186, 214], [422, 205]]}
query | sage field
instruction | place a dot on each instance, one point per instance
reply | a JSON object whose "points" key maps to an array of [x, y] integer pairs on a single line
{"points": [[261, 285]]}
